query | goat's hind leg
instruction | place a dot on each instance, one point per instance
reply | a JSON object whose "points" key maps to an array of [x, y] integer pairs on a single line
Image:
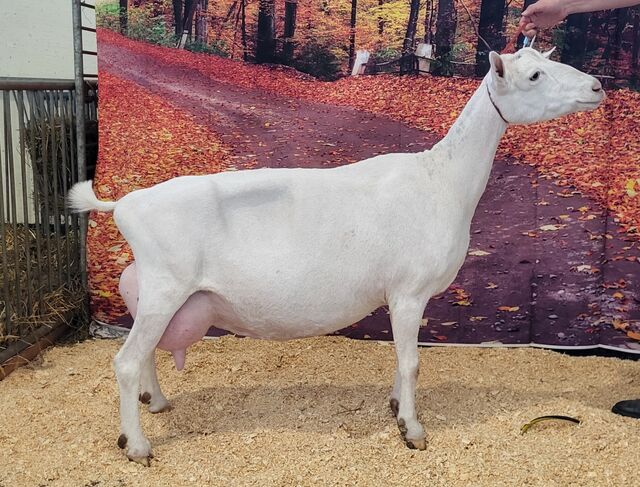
{"points": [[156, 308], [150, 391], [406, 316]]}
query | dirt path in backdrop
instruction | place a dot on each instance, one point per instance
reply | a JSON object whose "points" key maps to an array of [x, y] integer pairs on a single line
{"points": [[544, 256]]}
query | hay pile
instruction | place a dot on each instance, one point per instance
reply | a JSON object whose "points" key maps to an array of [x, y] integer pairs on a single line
{"points": [[52, 300], [314, 412]]}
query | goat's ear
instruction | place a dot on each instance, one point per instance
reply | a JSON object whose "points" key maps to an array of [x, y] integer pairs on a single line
{"points": [[497, 66], [549, 52]]}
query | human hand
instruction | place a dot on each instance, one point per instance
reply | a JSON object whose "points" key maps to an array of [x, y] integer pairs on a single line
{"points": [[541, 15]]}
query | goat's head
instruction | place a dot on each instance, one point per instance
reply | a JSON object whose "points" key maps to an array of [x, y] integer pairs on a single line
{"points": [[528, 87]]}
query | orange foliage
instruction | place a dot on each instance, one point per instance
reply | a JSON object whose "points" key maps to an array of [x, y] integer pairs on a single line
{"points": [[143, 141], [597, 152]]}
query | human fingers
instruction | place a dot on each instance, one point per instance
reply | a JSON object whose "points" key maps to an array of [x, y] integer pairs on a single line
{"points": [[530, 30]]}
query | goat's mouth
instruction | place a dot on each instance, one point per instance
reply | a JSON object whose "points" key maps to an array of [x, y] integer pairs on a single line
{"points": [[593, 103]]}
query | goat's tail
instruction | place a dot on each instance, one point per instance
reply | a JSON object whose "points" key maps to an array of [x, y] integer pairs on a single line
{"points": [[81, 198]]}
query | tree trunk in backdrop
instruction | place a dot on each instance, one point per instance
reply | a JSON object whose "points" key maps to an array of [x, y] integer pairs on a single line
{"points": [[407, 63], [635, 50], [243, 32], [202, 21], [266, 41], [187, 16], [380, 21], [616, 40], [352, 33], [490, 27], [575, 40], [189, 11], [177, 17], [290, 9], [445, 35], [124, 4], [428, 21]]}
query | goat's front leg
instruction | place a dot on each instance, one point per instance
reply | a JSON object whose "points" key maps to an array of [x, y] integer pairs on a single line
{"points": [[150, 391], [154, 313], [406, 317]]}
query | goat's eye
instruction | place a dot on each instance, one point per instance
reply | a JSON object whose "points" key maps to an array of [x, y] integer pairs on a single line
{"points": [[535, 76]]}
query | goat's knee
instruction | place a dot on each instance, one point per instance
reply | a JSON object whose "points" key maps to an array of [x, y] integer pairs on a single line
{"points": [[128, 371]]}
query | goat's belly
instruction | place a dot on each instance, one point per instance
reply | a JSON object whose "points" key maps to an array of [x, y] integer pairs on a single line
{"points": [[290, 319], [204, 309]]}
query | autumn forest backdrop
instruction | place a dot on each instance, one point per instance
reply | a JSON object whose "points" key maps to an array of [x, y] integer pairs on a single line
{"points": [[320, 36], [555, 244]]}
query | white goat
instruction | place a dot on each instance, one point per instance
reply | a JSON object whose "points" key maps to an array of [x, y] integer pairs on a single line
{"points": [[290, 253]]}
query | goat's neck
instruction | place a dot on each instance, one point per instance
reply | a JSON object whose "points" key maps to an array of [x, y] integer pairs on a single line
{"points": [[469, 147]]}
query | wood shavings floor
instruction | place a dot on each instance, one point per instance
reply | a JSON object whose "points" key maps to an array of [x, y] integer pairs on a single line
{"points": [[315, 412]]}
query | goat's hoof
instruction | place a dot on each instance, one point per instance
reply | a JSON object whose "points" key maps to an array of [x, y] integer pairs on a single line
{"points": [[394, 404], [418, 444], [140, 452], [144, 398], [122, 441], [145, 461], [160, 408]]}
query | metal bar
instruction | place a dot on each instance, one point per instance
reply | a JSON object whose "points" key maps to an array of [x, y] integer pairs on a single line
{"points": [[54, 183], [66, 174], [90, 53], [3, 249], [86, 5], [46, 224], [36, 197], [11, 184], [9, 83], [80, 127], [90, 75], [74, 179], [88, 29], [19, 98]]}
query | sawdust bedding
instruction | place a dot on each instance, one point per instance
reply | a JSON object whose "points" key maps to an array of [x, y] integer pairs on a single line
{"points": [[315, 412]]}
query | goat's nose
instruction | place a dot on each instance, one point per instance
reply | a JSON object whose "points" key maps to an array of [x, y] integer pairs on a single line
{"points": [[596, 86]]}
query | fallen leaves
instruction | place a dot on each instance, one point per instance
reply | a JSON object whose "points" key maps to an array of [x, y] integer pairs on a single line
{"points": [[510, 309], [587, 269], [479, 253], [461, 297], [551, 228]]}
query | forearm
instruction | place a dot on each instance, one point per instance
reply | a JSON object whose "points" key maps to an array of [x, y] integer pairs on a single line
{"points": [[580, 6]]}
